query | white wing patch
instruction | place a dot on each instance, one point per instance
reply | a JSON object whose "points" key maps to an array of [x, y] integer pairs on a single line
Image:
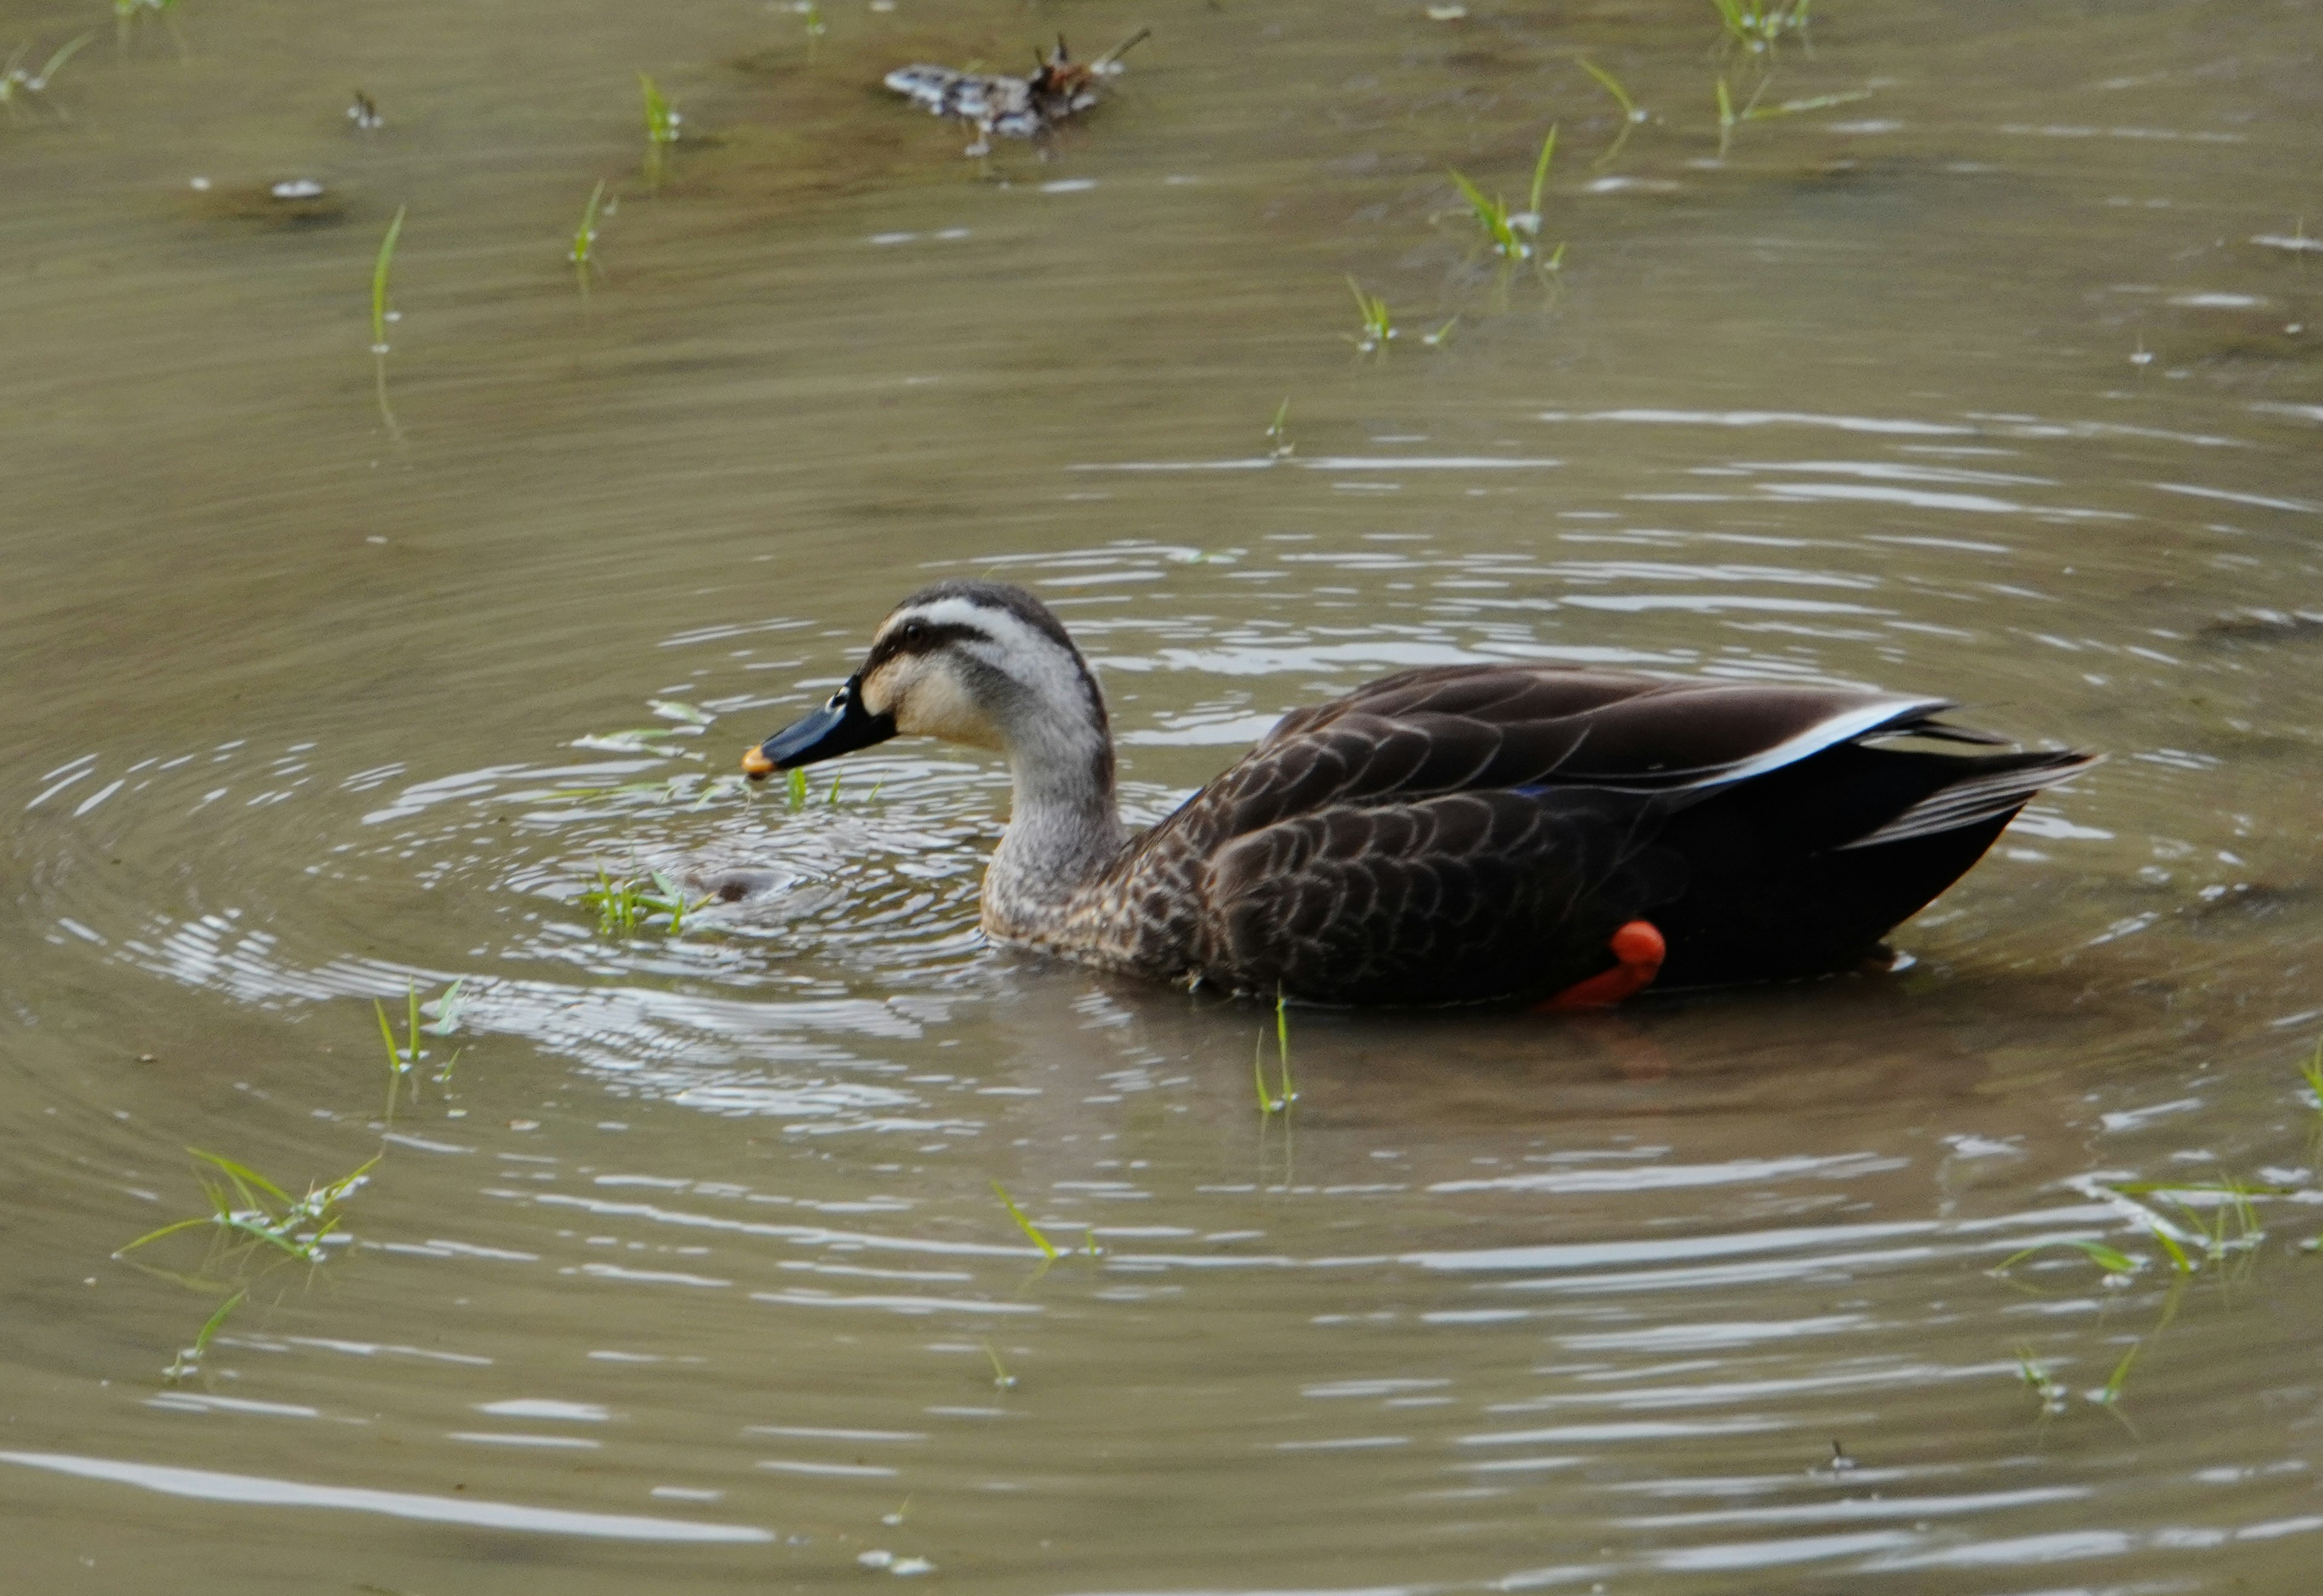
{"points": [[1845, 727]]}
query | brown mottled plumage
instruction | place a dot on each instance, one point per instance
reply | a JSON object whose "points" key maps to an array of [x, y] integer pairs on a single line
{"points": [[1455, 833]]}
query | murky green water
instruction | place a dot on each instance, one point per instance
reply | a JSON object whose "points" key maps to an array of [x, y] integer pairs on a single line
{"points": [[693, 1276]]}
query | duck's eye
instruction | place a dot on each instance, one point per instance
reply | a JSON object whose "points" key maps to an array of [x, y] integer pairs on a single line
{"points": [[915, 632]]}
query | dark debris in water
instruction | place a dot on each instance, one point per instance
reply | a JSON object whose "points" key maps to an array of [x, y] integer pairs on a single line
{"points": [[1057, 89], [732, 886], [292, 202], [2266, 625]]}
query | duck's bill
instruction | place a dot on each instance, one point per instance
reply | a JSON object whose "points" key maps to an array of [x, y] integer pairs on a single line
{"points": [[839, 727]]}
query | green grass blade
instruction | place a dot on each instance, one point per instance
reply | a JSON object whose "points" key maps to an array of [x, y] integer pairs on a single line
{"points": [[1491, 215], [378, 282], [155, 1236], [1612, 86], [1000, 1375], [1283, 1045], [1048, 1248], [210, 1325], [2110, 1258], [65, 52], [1541, 170], [241, 1174], [585, 237], [2177, 1258], [387, 1034], [1821, 102]]}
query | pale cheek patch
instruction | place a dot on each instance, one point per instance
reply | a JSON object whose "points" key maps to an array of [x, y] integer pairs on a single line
{"points": [[932, 703], [880, 690]]}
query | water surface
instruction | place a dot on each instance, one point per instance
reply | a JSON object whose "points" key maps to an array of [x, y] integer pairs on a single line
{"points": [[2002, 384]]}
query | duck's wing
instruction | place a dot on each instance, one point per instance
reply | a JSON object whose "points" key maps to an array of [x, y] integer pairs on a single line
{"points": [[1444, 899], [1472, 832], [1450, 729]]}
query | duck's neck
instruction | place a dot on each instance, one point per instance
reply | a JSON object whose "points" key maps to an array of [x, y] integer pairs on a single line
{"points": [[1064, 826]]}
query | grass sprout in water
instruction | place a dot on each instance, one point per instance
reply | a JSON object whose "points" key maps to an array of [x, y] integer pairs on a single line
{"points": [[1728, 118], [188, 1361], [2223, 1227], [662, 124], [2041, 1382], [380, 315], [1278, 445], [15, 82], [1275, 1102], [2310, 1070], [2117, 1264], [1378, 325], [250, 1217], [1513, 235], [624, 907], [1632, 114], [249, 1213], [1758, 25], [583, 252], [403, 1059], [1001, 1379], [1048, 1248], [127, 13]]}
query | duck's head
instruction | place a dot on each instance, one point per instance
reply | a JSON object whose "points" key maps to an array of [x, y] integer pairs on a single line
{"points": [[980, 663]]}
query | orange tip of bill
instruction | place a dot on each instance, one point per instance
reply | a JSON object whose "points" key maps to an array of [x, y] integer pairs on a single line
{"points": [[755, 763]]}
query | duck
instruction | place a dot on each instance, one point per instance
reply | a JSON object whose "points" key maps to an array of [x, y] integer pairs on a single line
{"points": [[1554, 835]]}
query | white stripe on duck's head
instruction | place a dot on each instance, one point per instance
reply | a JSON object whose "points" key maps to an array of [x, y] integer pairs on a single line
{"points": [[980, 663]]}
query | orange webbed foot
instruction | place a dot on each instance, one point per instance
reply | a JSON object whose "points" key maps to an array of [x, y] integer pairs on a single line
{"points": [[1641, 949]]}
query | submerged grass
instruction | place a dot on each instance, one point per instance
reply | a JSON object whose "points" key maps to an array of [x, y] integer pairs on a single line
{"points": [[1034, 1231], [1378, 325], [662, 124], [1513, 235], [1632, 114], [250, 1217], [1758, 25], [126, 13], [2041, 1382], [1276, 1101], [188, 1361], [15, 82], [1278, 445], [403, 1059], [2225, 1228], [2112, 1260], [583, 252], [380, 315], [625, 906], [1728, 118], [2310, 1070], [1001, 1379], [250, 1214]]}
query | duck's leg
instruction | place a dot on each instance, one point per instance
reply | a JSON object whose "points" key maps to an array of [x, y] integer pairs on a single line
{"points": [[1641, 949]]}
